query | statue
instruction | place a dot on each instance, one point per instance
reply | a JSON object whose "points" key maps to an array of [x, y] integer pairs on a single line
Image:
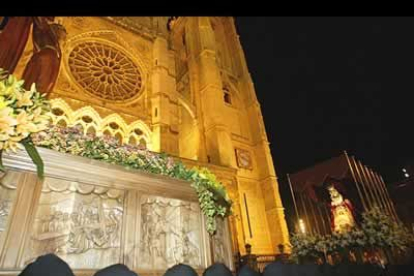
{"points": [[342, 212], [14, 33], [43, 67]]}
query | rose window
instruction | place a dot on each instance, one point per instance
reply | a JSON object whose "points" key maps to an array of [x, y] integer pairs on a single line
{"points": [[105, 71]]}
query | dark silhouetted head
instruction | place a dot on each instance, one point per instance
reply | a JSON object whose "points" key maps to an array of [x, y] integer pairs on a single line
{"points": [[181, 270], [115, 270], [218, 269], [47, 265]]}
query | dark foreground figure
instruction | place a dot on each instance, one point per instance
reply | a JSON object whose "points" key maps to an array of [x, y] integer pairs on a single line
{"points": [[217, 269], [181, 270], [47, 265], [116, 270], [247, 271]]}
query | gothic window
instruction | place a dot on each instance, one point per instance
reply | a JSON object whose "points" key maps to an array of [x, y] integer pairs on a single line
{"points": [[138, 131], [118, 137], [107, 133], [87, 119], [105, 71], [183, 39], [91, 130], [57, 112], [227, 96], [132, 141], [62, 123], [143, 143], [113, 125]]}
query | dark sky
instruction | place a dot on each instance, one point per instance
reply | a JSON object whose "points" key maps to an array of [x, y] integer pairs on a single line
{"points": [[328, 84]]}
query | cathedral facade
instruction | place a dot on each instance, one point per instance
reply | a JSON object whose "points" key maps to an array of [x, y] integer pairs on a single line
{"points": [[180, 86]]}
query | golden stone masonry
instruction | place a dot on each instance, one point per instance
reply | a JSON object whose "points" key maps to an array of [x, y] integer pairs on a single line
{"points": [[178, 86]]}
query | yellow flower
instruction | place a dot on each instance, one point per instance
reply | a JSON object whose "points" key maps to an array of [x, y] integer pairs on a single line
{"points": [[5, 90], [38, 117], [10, 86], [41, 120], [24, 98], [7, 122], [10, 145], [25, 124], [4, 103]]}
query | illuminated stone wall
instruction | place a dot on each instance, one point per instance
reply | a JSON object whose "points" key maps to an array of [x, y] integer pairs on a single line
{"points": [[186, 91]]}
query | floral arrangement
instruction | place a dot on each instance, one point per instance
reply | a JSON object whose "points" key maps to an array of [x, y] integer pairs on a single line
{"points": [[377, 231], [22, 113], [212, 195], [381, 231]]}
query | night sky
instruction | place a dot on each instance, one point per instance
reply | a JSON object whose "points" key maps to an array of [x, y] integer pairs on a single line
{"points": [[328, 84]]}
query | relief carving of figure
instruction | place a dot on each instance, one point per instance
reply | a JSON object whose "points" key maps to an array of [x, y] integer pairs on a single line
{"points": [[3, 210], [166, 237], [87, 228], [219, 242]]}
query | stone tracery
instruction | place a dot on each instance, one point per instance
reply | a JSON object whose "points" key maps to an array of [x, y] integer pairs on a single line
{"points": [[137, 132], [105, 71]]}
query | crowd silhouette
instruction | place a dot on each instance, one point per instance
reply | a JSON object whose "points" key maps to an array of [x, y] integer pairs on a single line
{"points": [[52, 265]]}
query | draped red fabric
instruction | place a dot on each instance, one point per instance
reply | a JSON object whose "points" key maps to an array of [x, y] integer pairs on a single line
{"points": [[13, 39], [43, 68]]}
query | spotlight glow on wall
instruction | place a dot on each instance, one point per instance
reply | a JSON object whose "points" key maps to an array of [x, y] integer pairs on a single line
{"points": [[302, 226]]}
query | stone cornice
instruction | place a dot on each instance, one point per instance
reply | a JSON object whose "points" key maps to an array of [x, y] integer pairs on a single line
{"points": [[85, 170]]}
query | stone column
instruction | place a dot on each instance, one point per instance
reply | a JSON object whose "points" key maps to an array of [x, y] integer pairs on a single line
{"points": [[219, 149], [164, 106]]}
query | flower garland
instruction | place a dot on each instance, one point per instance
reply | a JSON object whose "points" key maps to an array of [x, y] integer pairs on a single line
{"points": [[212, 195], [22, 113]]}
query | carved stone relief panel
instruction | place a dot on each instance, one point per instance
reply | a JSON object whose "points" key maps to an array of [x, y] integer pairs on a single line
{"points": [[170, 233], [8, 187], [81, 223], [221, 246]]}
